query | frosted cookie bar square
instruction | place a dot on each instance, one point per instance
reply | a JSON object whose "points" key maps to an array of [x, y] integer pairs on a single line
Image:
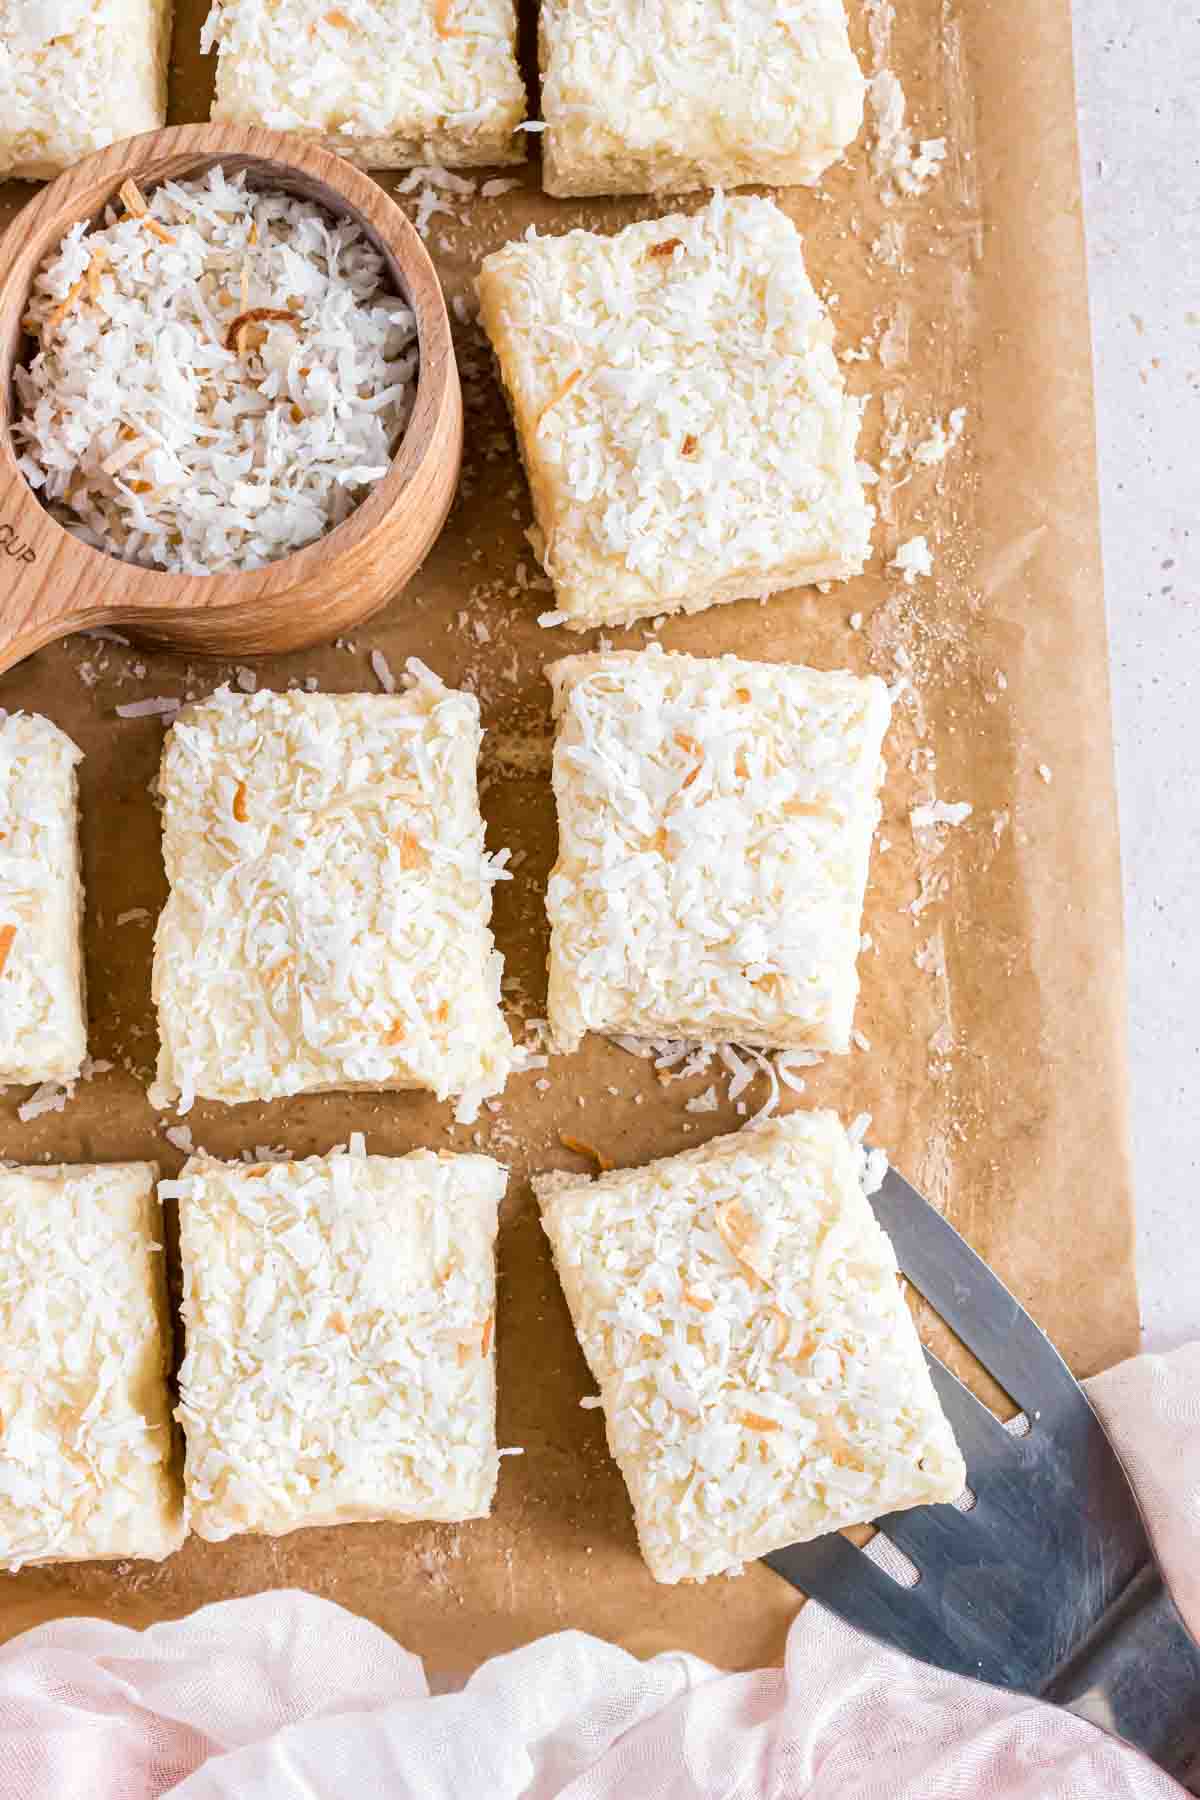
{"points": [[340, 1340], [385, 83], [715, 820], [76, 75], [327, 925], [682, 416], [762, 1379], [85, 1340], [646, 96], [43, 1021]]}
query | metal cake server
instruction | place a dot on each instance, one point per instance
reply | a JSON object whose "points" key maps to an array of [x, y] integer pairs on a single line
{"points": [[1048, 1585]]}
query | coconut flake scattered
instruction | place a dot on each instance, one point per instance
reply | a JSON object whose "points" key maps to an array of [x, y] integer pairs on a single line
{"points": [[50, 1096], [1046, 773], [942, 439], [221, 376], [136, 915], [180, 1138], [703, 1103], [901, 165], [382, 671], [940, 812], [161, 706], [912, 559]]}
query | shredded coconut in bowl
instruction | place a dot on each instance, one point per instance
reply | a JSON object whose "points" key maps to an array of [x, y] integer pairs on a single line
{"points": [[221, 376]]}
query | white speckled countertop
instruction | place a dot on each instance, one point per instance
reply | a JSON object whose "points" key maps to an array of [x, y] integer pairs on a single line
{"points": [[1138, 73]]}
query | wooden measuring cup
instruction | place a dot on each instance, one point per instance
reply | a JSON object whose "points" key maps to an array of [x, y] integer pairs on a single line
{"points": [[51, 583]]}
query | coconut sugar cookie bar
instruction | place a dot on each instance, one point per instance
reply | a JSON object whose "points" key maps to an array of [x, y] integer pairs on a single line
{"points": [[327, 925], [76, 76], [682, 416], [646, 96], [385, 83], [715, 822], [85, 1420], [340, 1340], [761, 1376], [43, 1023]]}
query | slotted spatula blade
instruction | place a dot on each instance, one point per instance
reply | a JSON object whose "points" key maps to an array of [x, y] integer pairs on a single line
{"points": [[1047, 1584]]}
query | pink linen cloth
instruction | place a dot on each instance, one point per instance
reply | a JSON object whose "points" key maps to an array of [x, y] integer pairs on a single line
{"points": [[288, 1697]]}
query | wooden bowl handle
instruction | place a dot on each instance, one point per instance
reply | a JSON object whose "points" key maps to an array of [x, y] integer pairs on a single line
{"points": [[48, 584]]}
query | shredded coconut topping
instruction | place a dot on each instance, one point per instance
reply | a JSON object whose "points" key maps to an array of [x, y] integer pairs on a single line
{"points": [[76, 75], [682, 415], [761, 1376], [217, 392], [385, 83], [632, 106], [339, 1339], [43, 1022], [85, 1430], [715, 825], [336, 936]]}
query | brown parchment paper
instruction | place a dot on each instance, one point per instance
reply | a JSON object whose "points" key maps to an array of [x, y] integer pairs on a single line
{"points": [[992, 996]]}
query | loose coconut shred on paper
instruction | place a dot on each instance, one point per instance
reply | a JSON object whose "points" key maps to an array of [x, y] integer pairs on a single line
{"points": [[220, 376]]}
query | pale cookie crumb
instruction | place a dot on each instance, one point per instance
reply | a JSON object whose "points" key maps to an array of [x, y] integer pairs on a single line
{"points": [[327, 924], [43, 1019], [715, 825], [340, 1318], [85, 1346], [644, 97], [761, 1377], [384, 83], [683, 419], [77, 75]]}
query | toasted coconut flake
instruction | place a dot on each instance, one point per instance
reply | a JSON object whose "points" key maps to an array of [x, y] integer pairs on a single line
{"points": [[575, 376], [759, 1422], [157, 230], [94, 273], [239, 804], [132, 198], [413, 854], [784, 1346], [441, 20], [65, 304], [7, 936], [489, 1326], [690, 445], [740, 1236], [665, 247], [701, 1301], [577, 1147], [255, 315], [395, 1033]]}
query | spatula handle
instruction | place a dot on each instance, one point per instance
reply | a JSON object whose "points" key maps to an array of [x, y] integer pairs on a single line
{"points": [[1138, 1677]]}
